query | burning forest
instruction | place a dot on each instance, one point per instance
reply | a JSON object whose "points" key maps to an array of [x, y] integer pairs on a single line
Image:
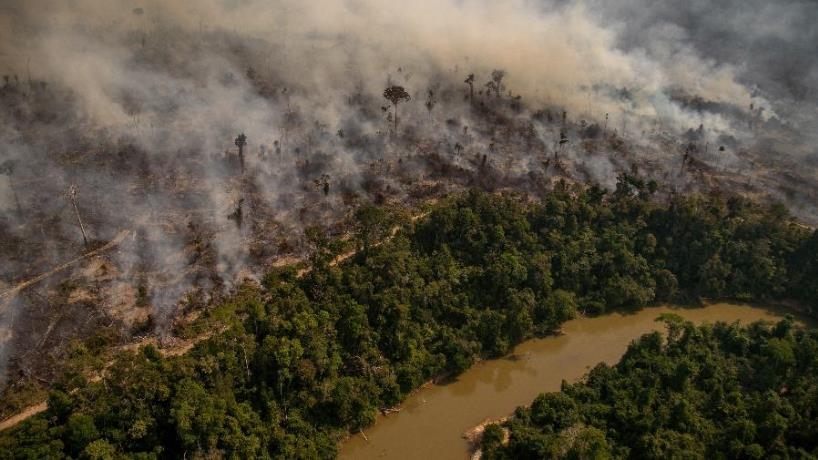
{"points": [[153, 155]]}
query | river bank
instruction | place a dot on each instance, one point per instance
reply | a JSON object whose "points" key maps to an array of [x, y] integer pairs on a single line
{"points": [[431, 422]]}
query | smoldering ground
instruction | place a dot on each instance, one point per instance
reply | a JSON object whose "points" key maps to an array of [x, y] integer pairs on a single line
{"points": [[139, 103]]}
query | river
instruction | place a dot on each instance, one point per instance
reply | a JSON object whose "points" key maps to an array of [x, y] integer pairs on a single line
{"points": [[431, 421]]}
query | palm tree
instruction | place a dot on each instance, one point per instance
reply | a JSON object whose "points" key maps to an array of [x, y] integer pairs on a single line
{"points": [[396, 94]]}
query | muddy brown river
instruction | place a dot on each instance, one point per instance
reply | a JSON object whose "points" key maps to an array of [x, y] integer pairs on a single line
{"points": [[431, 422]]}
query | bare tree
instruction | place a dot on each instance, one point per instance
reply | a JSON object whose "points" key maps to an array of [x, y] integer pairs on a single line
{"points": [[470, 81], [563, 140], [396, 94], [240, 142], [72, 195], [289, 119], [431, 101], [624, 125]]}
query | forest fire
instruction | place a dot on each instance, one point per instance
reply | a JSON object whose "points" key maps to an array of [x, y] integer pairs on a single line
{"points": [[156, 156]]}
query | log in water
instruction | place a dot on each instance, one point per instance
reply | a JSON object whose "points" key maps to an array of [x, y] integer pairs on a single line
{"points": [[432, 421]]}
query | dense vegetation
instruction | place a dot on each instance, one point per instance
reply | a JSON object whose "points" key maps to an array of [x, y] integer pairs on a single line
{"points": [[717, 391], [303, 360]]}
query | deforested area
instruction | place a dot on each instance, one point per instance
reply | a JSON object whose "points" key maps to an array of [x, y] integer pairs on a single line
{"points": [[211, 191]]}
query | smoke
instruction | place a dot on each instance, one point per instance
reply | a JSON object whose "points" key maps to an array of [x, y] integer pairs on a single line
{"points": [[195, 54], [771, 45], [138, 104]]}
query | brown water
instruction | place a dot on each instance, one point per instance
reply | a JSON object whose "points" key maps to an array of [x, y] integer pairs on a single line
{"points": [[432, 421]]}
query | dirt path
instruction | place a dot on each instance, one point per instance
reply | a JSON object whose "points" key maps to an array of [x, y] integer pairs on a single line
{"points": [[9, 293], [29, 411]]}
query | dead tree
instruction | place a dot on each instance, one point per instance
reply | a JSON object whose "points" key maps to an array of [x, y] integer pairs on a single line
{"points": [[563, 140], [240, 142], [396, 94], [624, 125], [431, 101], [72, 195], [470, 81], [289, 119]]}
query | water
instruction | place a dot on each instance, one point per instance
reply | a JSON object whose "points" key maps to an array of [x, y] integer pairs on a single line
{"points": [[431, 422]]}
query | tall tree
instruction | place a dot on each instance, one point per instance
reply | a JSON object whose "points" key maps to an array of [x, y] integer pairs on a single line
{"points": [[72, 196], [395, 94], [240, 142], [470, 81], [431, 101]]}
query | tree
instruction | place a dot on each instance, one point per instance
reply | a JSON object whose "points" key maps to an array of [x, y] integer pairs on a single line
{"points": [[372, 227], [492, 438], [240, 142], [470, 81], [431, 101], [72, 195], [99, 450], [563, 140], [395, 94], [496, 82], [80, 430]]}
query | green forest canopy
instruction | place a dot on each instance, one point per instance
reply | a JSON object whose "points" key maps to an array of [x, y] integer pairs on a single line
{"points": [[717, 391], [304, 360]]}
